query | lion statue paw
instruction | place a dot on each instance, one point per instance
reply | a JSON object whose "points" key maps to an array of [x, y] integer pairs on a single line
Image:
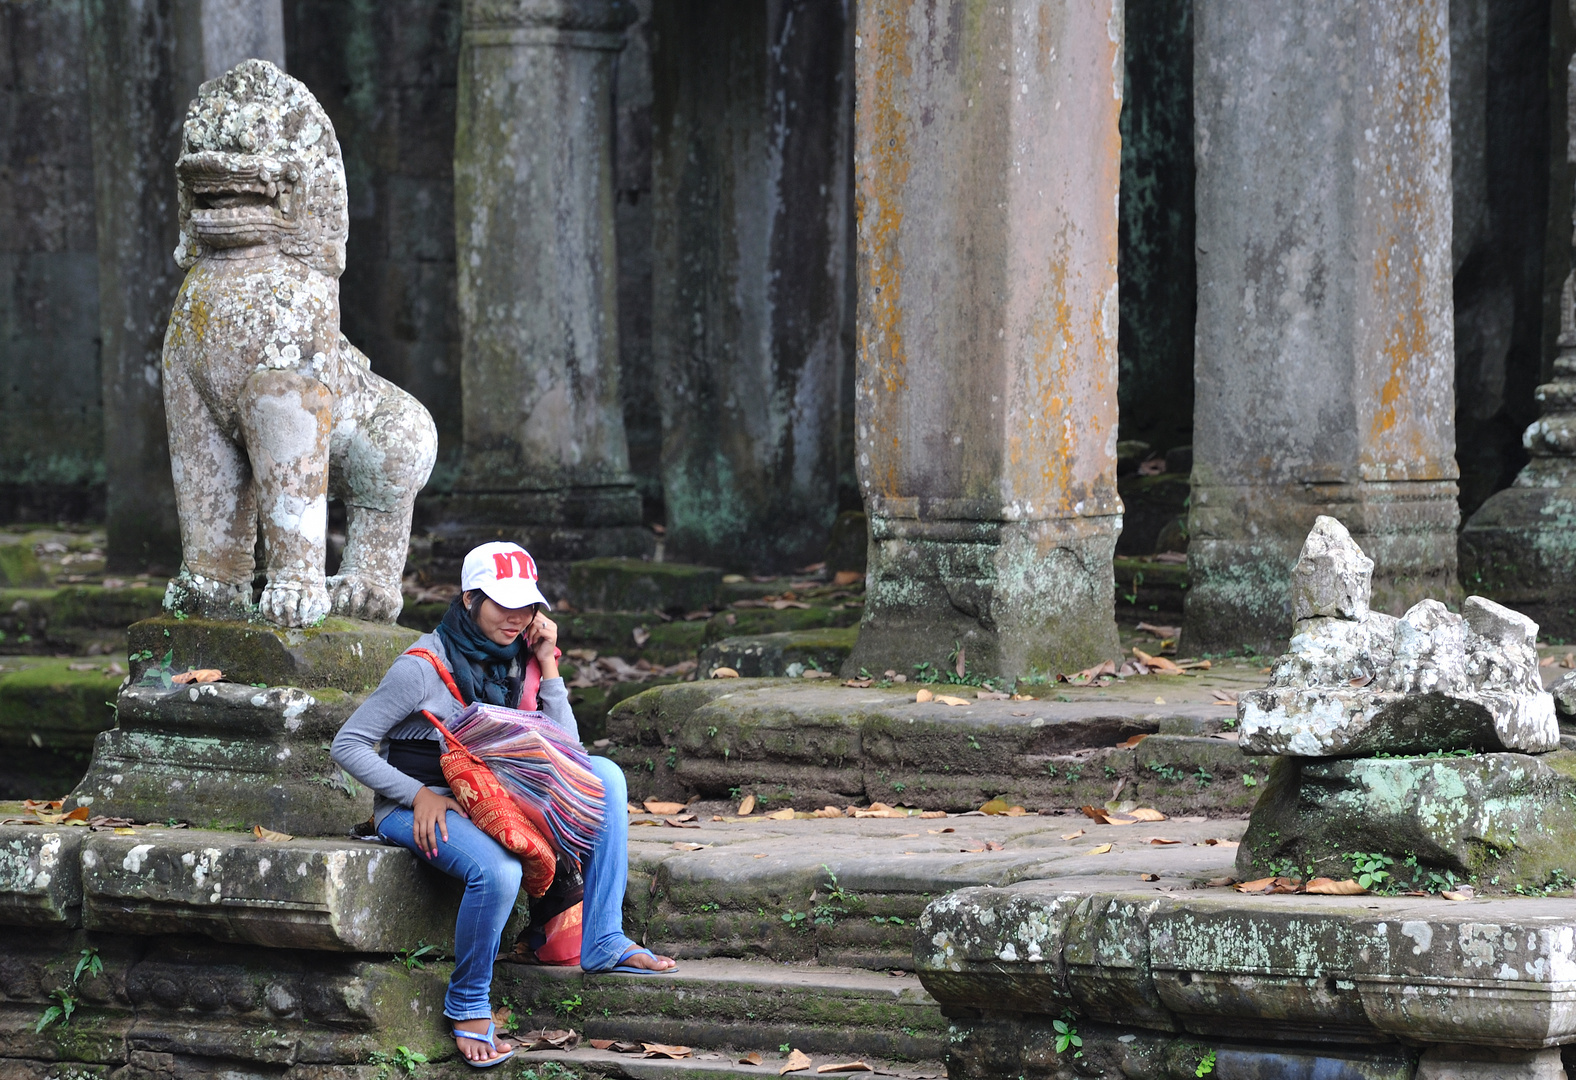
{"points": [[294, 603], [358, 597]]}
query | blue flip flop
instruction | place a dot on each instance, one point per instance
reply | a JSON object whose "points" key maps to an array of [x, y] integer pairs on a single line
{"points": [[631, 969], [489, 1039]]}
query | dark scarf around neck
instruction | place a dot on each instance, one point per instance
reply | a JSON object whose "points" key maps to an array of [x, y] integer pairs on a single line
{"points": [[484, 670]]}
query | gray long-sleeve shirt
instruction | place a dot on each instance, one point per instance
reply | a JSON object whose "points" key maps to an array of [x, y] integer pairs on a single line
{"points": [[393, 711]]}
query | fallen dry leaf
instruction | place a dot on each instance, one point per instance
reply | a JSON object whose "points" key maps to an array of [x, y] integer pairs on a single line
{"points": [[1128, 744], [1323, 886], [1147, 813], [1158, 664], [990, 695], [1270, 885], [991, 845], [199, 675], [1100, 850], [640, 635], [848, 1066], [960, 664], [645, 821], [1089, 674], [932, 814], [1014, 811], [752, 1058], [847, 577], [827, 812], [268, 836], [1161, 841], [724, 673], [921, 696], [1160, 631], [1220, 882], [785, 814], [747, 806], [1215, 841], [879, 810], [80, 816], [938, 832], [1148, 877], [1072, 835], [951, 699], [994, 807], [1224, 697], [657, 806], [663, 1050], [633, 809], [858, 684], [1094, 812], [1466, 892], [548, 1039], [687, 845], [797, 1062], [1361, 680]]}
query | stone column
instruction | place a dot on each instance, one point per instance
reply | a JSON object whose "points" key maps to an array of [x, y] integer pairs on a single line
{"points": [[146, 61], [1324, 348], [751, 255], [1519, 548], [545, 460], [987, 160]]}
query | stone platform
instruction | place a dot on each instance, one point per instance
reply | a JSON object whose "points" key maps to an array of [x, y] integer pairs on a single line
{"points": [[809, 743]]}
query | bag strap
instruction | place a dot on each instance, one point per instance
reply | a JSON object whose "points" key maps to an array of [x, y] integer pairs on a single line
{"points": [[448, 680], [443, 672]]}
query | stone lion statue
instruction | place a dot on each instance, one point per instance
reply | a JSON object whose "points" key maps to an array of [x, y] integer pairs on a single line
{"points": [[269, 408]]}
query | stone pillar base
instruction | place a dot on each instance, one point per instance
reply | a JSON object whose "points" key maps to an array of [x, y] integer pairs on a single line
{"points": [[1245, 539], [1520, 547], [1019, 598]]}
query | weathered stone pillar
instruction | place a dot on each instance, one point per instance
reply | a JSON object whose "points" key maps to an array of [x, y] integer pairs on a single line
{"points": [[1520, 546], [545, 459], [146, 61], [1324, 350], [986, 160], [751, 257]]}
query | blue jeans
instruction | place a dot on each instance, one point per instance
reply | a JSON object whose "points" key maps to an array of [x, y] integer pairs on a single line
{"points": [[492, 884]]}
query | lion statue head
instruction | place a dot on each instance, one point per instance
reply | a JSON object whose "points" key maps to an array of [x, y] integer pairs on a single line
{"points": [[260, 165]]}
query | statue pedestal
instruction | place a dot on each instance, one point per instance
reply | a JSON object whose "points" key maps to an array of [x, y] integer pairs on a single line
{"points": [[251, 749]]}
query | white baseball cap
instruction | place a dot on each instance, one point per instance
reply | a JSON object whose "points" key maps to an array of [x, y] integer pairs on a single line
{"points": [[505, 572]]}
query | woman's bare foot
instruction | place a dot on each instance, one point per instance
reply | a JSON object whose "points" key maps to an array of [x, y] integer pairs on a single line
{"points": [[641, 958], [475, 1049]]}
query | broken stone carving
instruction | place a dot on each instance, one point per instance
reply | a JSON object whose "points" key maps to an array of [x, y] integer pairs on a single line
{"points": [[270, 409], [1360, 682]]}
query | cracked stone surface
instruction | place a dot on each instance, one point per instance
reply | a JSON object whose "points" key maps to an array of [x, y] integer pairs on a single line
{"points": [[1357, 681]]}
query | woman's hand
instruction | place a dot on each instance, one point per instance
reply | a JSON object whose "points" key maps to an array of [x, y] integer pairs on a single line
{"points": [[431, 813], [542, 636]]}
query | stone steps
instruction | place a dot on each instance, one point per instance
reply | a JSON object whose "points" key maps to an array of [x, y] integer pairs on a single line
{"points": [[709, 1065], [738, 1005]]}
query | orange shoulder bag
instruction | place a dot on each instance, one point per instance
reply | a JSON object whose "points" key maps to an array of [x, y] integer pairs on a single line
{"points": [[489, 806]]}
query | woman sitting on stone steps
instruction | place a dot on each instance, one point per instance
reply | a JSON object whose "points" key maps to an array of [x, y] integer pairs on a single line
{"points": [[499, 646]]}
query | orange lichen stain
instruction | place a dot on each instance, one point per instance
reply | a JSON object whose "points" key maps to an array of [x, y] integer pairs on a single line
{"points": [[883, 128], [1048, 437], [1398, 445]]}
